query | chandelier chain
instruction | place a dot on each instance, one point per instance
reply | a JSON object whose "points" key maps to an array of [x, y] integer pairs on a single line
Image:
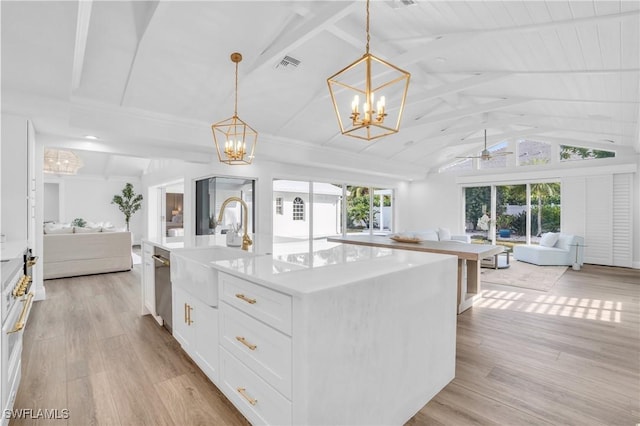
{"points": [[235, 106], [368, 37]]}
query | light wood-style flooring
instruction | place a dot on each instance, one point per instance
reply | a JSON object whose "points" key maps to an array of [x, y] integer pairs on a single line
{"points": [[568, 356]]}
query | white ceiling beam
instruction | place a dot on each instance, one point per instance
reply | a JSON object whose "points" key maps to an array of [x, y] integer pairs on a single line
{"points": [[445, 42], [614, 71], [346, 37], [552, 25], [132, 148], [324, 19], [463, 112], [456, 86], [548, 99], [82, 32], [596, 119], [142, 23]]}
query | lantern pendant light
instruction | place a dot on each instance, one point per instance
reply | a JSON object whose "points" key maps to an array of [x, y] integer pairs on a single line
{"points": [[235, 140], [369, 96]]}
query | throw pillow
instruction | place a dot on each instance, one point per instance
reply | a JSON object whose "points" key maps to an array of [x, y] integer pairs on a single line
{"points": [[549, 239], [444, 234]]}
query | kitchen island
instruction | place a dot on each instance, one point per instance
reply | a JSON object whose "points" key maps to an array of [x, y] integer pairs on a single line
{"points": [[338, 334], [469, 259]]}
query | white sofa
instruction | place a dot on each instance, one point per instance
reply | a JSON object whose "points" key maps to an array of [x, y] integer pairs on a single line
{"points": [[73, 254], [562, 252], [439, 234]]}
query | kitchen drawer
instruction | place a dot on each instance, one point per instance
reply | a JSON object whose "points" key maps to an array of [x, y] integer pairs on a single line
{"points": [[262, 348], [270, 306], [259, 402]]}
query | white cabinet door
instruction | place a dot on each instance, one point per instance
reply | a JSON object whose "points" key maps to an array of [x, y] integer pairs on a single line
{"points": [[182, 317], [195, 327], [205, 324]]}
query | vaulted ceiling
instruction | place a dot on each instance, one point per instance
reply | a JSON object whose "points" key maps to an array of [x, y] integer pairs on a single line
{"points": [[149, 78]]}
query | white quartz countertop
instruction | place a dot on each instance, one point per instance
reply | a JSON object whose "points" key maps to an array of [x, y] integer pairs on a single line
{"points": [[299, 268]]}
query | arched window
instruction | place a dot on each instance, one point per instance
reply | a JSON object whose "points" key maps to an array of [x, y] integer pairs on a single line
{"points": [[298, 209]]}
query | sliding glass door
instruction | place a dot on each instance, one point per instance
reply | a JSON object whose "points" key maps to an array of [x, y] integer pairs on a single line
{"points": [[512, 214]]}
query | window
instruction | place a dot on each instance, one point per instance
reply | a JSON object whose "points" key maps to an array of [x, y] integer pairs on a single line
{"points": [[298, 209], [317, 210], [571, 153], [532, 153], [279, 209]]}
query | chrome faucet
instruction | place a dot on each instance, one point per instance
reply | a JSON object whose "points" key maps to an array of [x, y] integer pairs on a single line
{"points": [[246, 240]]}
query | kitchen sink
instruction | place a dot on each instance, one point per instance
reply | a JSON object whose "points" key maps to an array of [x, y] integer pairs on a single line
{"points": [[193, 269]]}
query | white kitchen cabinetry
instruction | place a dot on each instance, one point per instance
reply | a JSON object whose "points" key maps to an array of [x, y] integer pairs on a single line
{"points": [[195, 327], [256, 354], [368, 339]]}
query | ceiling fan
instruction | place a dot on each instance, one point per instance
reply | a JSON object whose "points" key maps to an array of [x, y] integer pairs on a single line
{"points": [[486, 154]]}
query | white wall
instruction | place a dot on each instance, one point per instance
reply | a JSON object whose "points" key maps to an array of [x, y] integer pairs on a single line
{"points": [[51, 202], [90, 198], [435, 202]]}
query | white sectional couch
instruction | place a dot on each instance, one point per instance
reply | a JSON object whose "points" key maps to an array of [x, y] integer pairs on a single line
{"points": [[548, 252], [72, 254]]}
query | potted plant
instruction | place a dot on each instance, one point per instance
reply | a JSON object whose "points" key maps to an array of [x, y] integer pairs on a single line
{"points": [[128, 202], [503, 222]]}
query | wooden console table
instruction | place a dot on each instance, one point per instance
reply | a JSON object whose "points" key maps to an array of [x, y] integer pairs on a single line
{"points": [[471, 254]]}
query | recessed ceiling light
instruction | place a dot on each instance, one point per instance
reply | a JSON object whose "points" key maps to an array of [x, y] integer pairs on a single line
{"points": [[93, 138]]}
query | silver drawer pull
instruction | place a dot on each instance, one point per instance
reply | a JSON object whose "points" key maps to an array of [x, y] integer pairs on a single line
{"points": [[242, 391], [247, 344], [245, 298]]}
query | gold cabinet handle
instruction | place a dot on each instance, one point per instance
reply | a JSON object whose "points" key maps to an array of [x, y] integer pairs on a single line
{"points": [[247, 344], [186, 314], [242, 391], [21, 286], [245, 298], [189, 309], [25, 309]]}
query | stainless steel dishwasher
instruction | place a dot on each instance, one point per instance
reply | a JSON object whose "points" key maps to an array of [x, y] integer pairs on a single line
{"points": [[163, 287]]}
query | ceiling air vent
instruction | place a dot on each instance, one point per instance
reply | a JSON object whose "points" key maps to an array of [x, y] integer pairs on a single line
{"points": [[288, 62]]}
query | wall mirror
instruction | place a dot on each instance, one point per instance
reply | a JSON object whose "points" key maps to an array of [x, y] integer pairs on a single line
{"points": [[212, 192]]}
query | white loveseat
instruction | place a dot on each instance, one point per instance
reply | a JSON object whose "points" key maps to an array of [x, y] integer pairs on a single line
{"points": [[560, 252], [439, 234], [73, 254]]}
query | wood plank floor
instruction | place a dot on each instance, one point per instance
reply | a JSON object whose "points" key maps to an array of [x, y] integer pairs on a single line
{"points": [[567, 356]]}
